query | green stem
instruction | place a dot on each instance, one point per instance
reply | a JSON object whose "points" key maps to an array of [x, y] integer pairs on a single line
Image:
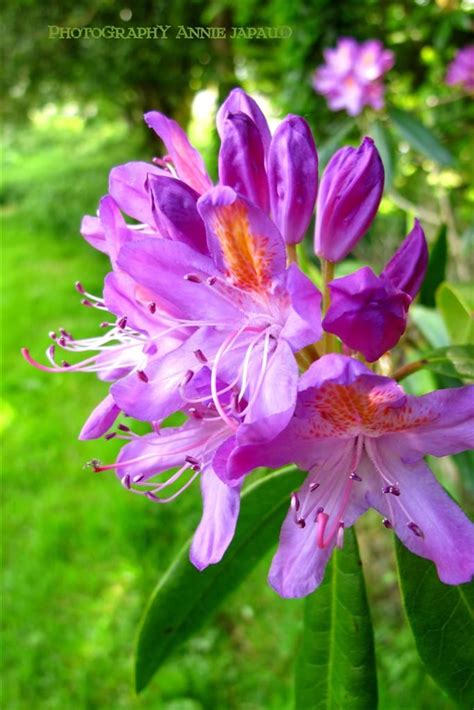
{"points": [[291, 254], [408, 369]]}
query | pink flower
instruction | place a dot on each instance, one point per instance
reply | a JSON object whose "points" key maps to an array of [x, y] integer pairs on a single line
{"points": [[461, 70], [352, 75]]}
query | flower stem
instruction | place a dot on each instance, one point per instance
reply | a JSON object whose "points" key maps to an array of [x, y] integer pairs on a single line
{"points": [[327, 271], [408, 369], [291, 254]]}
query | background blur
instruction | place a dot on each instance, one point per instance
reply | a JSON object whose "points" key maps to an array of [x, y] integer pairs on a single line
{"points": [[80, 555]]}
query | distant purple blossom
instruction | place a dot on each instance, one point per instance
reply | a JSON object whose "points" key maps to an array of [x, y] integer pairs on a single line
{"points": [[461, 70], [352, 76]]}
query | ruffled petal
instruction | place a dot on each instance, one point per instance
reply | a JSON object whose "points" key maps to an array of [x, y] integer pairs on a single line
{"points": [[127, 185]]}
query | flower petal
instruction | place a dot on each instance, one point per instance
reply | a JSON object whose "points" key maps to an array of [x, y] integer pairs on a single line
{"points": [[238, 100], [242, 159], [186, 159], [407, 267], [100, 420], [175, 212], [127, 185], [242, 239], [292, 177], [303, 322], [442, 533], [221, 505]]}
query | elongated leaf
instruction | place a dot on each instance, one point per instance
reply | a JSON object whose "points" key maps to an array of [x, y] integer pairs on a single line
{"points": [[455, 306], [453, 361], [384, 143], [442, 620], [336, 665], [420, 137], [436, 271], [185, 598]]}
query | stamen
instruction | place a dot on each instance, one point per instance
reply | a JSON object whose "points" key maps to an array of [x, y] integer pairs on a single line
{"points": [[321, 522], [200, 356], [416, 530], [188, 376], [387, 524], [340, 536], [193, 278], [142, 376], [355, 477], [123, 427], [191, 460], [122, 322], [152, 307], [211, 280], [314, 487], [79, 288], [394, 490], [109, 436], [126, 481]]}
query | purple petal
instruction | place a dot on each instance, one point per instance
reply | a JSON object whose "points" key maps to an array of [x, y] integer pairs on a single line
{"points": [[241, 159], [115, 228], [407, 267], [339, 369], [175, 212], [186, 159], [303, 323], [221, 505], [162, 266], [349, 195], [242, 240], [447, 535], [367, 313], [293, 177], [100, 420], [93, 232], [127, 185], [237, 101]]}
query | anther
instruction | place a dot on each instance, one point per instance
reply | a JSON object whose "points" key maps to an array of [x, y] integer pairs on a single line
{"points": [[199, 355], [52, 335], [416, 530], [126, 481], [142, 376], [105, 324], [295, 502], [66, 334], [86, 302], [151, 496], [391, 489], [387, 524], [94, 464], [152, 307], [355, 476], [211, 280], [110, 435], [123, 427], [122, 322], [301, 522], [193, 278], [64, 363], [340, 535], [191, 460], [195, 413], [79, 288], [61, 341], [313, 487], [187, 378], [138, 478]]}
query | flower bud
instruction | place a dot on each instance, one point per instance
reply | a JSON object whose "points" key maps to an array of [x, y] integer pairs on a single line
{"points": [[239, 101], [407, 267], [242, 160], [292, 177], [349, 195]]}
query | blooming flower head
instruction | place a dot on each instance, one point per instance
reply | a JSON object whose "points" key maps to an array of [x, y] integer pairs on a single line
{"points": [[362, 441], [461, 70], [352, 76]]}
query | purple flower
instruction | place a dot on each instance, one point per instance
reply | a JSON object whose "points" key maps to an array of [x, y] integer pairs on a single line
{"points": [[349, 195], [369, 313], [352, 75], [362, 440], [461, 70]]}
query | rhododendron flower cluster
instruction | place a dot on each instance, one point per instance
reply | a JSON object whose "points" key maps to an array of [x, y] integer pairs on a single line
{"points": [[461, 70], [211, 316], [352, 76]]}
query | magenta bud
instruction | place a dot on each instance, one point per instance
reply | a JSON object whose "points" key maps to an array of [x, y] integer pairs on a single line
{"points": [[292, 177], [242, 159], [239, 101], [407, 267], [349, 195]]}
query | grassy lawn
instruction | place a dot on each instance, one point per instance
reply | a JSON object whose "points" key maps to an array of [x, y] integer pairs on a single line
{"points": [[80, 554]]}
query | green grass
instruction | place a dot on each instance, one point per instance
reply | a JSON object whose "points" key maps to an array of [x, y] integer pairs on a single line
{"points": [[81, 555]]}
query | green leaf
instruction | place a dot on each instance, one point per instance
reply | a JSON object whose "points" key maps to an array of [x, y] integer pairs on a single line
{"points": [[441, 617], [455, 305], [384, 144], [431, 325], [420, 137], [326, 150], [436, 271], [453, 361], [335, 668], [185, 597]]}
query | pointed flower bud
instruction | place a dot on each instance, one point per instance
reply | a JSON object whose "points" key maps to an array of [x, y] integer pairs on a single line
{"points": [[407, 267], [241, 159], [292, 177], [349, 195], [239, 101]]}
